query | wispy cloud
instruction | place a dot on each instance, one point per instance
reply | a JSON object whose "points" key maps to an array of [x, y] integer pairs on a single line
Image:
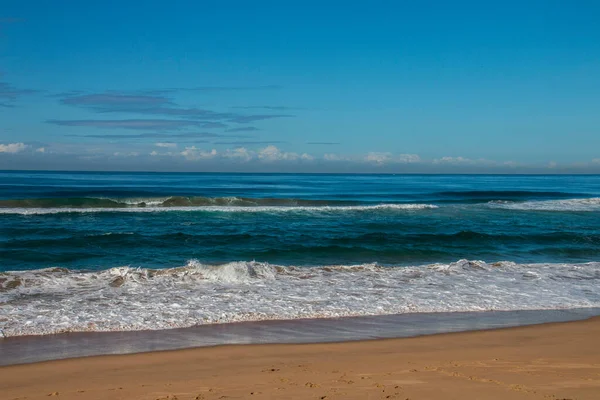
{"points": [[167, 145], [172, 112], [244, 129], [244, 119], [209, 89], [273, 108], [214, 125], [324, 143], [114, 100], [151, 124], [251, 142], [156, 103], [9, 93], [154, 135]]}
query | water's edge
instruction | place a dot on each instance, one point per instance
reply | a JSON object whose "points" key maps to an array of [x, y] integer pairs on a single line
{"points": [[30, 349]]}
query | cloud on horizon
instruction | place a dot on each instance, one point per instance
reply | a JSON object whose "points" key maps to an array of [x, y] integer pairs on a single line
{"points": [[166, 156], [12, 147]]}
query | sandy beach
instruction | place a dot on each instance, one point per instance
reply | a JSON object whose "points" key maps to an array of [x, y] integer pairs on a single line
{"points": [[548, 361]]}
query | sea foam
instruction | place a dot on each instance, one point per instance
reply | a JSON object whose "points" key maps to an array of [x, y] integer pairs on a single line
{"points": [[58, 300]]}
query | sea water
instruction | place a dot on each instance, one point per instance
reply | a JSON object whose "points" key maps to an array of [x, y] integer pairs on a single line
{"points": [[146, 251]]}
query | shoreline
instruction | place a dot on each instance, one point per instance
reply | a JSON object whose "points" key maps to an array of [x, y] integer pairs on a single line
{"points": [[558, 360], [38, 348]]}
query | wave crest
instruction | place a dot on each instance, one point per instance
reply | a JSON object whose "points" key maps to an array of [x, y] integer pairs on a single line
{"points": [[224, 209], [587, 204]]}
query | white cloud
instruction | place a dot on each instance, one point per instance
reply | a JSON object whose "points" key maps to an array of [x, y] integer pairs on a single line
{"points": [[552, 164], [306, 157], [334, 157], [40, 150], [378, 158], [166, 145], [408, 158], [130, 154], [241, 153], [193, 153], [12, 147], [154, 153], [596, 161], [453, 160], [387, 157], [272, 153]]}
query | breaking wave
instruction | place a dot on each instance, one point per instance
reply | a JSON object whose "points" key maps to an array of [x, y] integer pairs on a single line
{"points": [[58, 300], [587, 204], [187, 204]]}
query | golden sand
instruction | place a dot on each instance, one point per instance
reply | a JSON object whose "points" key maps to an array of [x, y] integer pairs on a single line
{"points": [[549, 361]]}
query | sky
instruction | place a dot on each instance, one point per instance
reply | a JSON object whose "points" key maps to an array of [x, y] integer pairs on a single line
{"points": [[300, 86]]}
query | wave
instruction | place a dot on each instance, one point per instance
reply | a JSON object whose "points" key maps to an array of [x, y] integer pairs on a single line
{"points": [[167, 201], [59, 300], [505, 194], [166, 206], [587, 204]]}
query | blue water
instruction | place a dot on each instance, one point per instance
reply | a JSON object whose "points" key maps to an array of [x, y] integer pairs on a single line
{"points": [[113, 237]]}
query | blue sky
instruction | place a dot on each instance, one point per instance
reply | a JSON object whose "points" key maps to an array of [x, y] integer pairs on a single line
{"points": [[307, 86]]}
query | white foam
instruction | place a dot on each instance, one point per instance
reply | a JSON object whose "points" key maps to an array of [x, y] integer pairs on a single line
{"points": [[224, 209], [589, 204], [134, 201], [124, 298]]}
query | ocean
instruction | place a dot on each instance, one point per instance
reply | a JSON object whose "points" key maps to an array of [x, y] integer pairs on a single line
{"points": [[94, 252]]}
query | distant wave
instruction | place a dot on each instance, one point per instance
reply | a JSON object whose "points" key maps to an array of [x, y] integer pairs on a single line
{"points": [[501, 194], [589, 204], [217, 204], [166, 201], [58, 300], [484, 196]]}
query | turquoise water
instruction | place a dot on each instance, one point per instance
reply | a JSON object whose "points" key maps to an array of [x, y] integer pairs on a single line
{"points": [[127, 251]]}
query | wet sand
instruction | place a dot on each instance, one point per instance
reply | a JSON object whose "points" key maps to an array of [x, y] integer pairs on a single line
{"points": [[27, 349], [548, 361]]}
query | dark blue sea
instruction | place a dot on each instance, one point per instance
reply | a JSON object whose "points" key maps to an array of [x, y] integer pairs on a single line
{"points": [[138, 251]]}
